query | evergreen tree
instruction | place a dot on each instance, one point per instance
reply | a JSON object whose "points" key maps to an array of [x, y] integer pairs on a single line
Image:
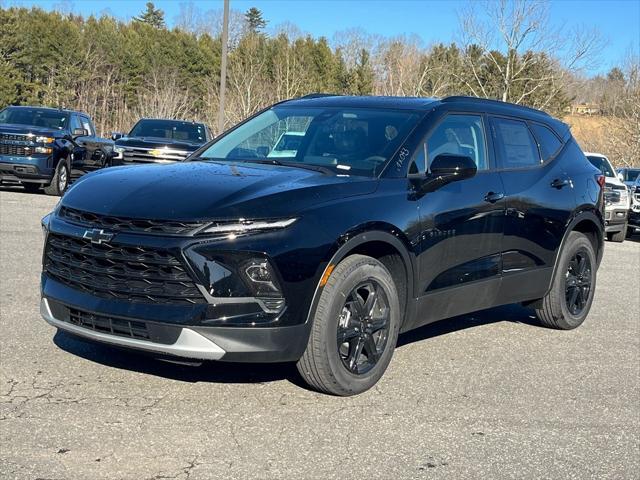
{"points": [[254, 20], [152, 16]]}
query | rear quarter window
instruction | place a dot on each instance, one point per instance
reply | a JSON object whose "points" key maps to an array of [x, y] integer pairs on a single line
{"points": [[548, 142]]}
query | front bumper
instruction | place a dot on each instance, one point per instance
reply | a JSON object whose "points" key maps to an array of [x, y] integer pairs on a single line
{"points": [[615, 219], [276, 344], [27, 169]]}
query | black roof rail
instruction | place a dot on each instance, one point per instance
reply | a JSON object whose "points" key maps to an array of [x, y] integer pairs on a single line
{"points": [[320, 95], [464, 98]]}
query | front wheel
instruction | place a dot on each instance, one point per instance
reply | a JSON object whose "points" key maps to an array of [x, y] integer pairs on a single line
{"points": [[618, 237], [60, 180], [355, 328], [568, 302]]}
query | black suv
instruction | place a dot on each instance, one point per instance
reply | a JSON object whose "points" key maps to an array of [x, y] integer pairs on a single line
{"points": [[47, 147], [160, 141], [389, 214]]}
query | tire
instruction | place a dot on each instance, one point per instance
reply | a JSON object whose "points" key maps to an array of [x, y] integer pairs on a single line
{"points": [[32, 187], [557, 309], [618, 237], [329, 367], [60, 180]]}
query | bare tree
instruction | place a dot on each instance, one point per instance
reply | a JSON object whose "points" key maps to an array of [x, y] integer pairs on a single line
{"points": [[515, 41], [163, 97]]}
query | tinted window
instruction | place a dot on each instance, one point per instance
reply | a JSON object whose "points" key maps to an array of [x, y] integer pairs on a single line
{"points": [[517, 147], [547, 141], [35, 116], [75, 122], [175, 130], [601, 164], [630, 174], [86, 124], [350, 141], [456, 135]]}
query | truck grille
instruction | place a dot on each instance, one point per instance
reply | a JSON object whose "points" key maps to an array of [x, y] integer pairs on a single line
{"points": [[135, 274], [120, 224], [113, 326], [143, 155], [17, 150]]}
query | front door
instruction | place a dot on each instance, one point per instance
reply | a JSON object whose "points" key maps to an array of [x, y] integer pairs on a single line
{"points": [[462, 224]]}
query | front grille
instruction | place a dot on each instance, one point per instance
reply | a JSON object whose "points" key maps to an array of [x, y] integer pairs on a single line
{"points": [[16, 150], [143, 155], [13, 136], [131, 273], [114, 326], [93, 220]]}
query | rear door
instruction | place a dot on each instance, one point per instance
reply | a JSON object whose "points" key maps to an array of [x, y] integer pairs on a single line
{"points": [[539, 203]]}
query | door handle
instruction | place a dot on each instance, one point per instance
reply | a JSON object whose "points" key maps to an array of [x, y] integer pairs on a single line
{"points": [[559, 183], [493, 197]]}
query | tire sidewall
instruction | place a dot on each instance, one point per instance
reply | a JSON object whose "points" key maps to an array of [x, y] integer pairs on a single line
{"points": [[336, 296], [62, 166]]}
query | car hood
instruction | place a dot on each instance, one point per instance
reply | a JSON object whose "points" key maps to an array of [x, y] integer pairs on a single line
{"points": [[209, 190], [155, 142], [22, 129]]}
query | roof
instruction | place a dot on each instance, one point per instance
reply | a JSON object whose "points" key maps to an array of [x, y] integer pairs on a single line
{"points": [[172, 120], [52, 109], [396, 103], [593, 154]]}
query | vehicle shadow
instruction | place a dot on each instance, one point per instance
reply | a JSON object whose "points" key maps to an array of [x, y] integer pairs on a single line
{"points": [[223, 372], [19, 189]]}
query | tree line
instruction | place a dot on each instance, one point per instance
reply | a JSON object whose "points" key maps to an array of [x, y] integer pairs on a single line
{"points": [[120, 71]]}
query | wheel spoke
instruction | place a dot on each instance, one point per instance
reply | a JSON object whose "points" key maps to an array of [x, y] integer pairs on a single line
{"points": [[371, 301], [355, 350], [346, 334], [380, 322], [372, 349], [573, 296], [582, 265]]}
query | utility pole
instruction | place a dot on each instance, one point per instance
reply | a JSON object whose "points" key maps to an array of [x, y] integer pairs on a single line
{"points": [[223, 65]]}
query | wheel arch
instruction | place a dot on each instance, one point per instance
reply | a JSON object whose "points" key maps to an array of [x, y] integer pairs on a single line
{"points": [[384, 244]]}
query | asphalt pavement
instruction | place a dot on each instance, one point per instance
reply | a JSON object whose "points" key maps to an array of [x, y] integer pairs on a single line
{"points": [[488, 395]]}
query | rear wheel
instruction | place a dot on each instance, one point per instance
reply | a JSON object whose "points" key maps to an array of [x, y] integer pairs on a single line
{"points": [[618, 236], [60, 180], [355, 328], [568, 302]]}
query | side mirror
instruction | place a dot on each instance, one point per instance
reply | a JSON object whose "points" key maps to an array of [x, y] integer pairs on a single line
{"points": [[447, 168], [80, 132], [621, 177], [116, 136]]}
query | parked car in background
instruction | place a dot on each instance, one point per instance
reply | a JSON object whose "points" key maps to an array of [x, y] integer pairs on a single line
{"points": [[628, 175], [616, 198], [634, 211], [154, 140], [391, 214], [48, 147]]}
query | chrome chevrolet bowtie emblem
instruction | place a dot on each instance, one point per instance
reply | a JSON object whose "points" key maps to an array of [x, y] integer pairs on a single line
{"points": [[98, 236]]}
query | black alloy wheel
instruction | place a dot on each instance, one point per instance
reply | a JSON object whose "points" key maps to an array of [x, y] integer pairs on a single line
{"points": [[363, 327], [578, 282]]}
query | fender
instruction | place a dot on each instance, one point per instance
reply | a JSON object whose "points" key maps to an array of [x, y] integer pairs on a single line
{"points": [[590, 215], [360, 239]]}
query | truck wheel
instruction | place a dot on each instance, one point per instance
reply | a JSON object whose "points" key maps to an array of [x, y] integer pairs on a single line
{"points": [[568, 302], [618, 236], [60, 180], [355, 328]]}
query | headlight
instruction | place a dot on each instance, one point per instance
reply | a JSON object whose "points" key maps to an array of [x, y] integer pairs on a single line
{"points": [[44, 223], [243, 226], [119, 152], [45, 139]]}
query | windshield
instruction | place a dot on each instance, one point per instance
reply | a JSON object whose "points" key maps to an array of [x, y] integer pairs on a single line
{"points": [[349, 141], [631, 174], [602, 164], [175, 130], [36, 117]]}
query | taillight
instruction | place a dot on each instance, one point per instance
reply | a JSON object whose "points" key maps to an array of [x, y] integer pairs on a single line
{"points": [[601, 180]]}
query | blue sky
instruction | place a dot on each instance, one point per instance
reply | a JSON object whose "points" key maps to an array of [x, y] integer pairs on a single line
{"points": [[433, 20]]}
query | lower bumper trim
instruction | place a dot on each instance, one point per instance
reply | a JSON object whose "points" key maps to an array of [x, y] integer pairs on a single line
{"points": [[190, 344]]}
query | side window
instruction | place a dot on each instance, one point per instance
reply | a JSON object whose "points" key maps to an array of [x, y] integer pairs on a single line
{"points": [[547, 141], [75, 123], [517, 147], [457, 135], [86, 124]]}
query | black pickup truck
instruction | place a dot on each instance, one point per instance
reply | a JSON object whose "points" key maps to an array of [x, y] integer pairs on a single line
{"points": [[48, 147], [153, 140]]}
